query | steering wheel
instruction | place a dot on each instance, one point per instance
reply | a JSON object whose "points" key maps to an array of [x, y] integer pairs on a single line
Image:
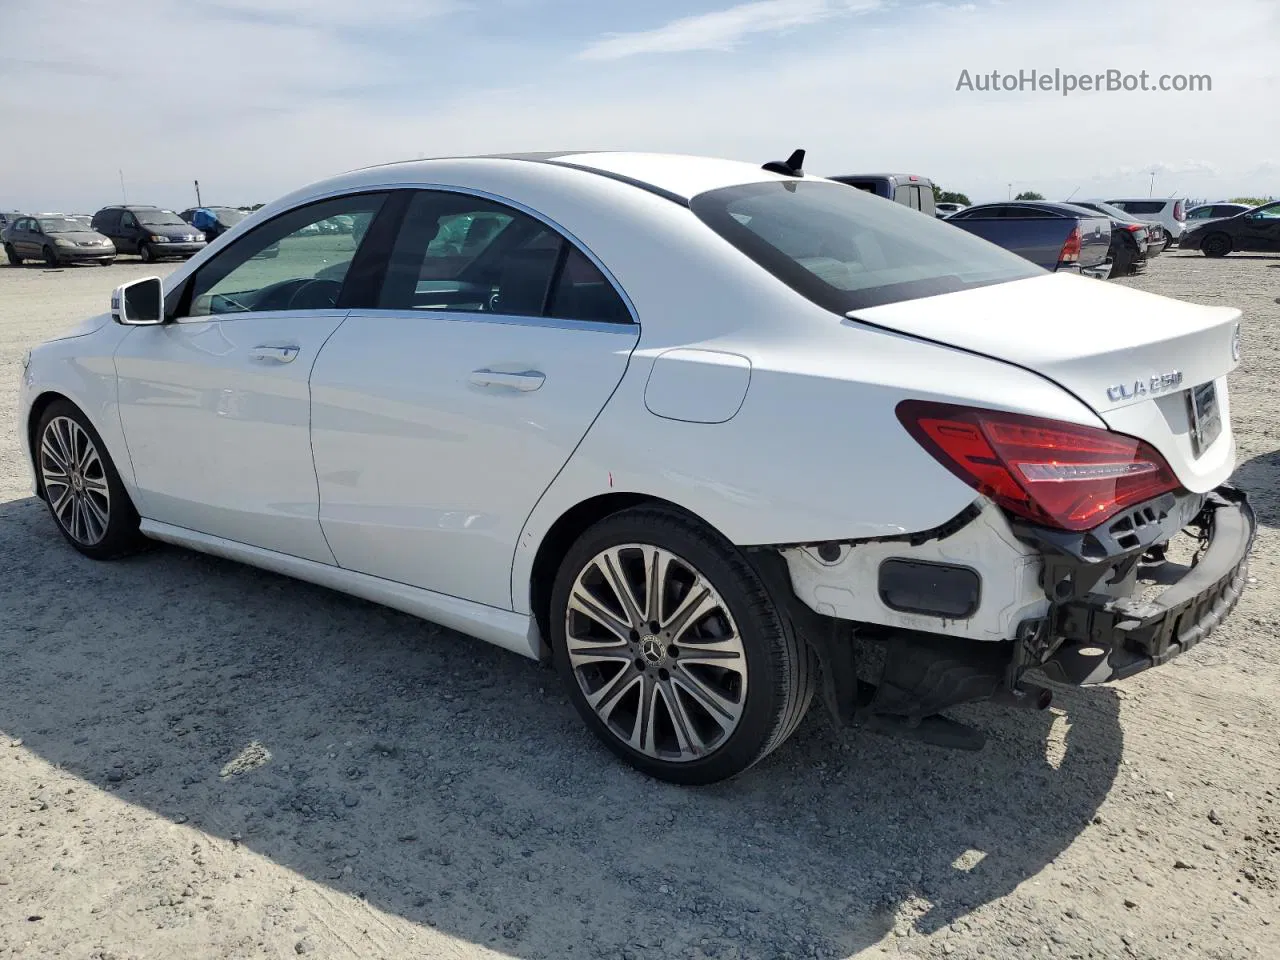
{"points": [[314, 295]]}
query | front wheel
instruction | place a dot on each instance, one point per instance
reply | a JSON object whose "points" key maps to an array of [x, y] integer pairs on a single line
{"points": [[672, 651], [81, 485], [50, 257], [146, 253], [1215, 245]]}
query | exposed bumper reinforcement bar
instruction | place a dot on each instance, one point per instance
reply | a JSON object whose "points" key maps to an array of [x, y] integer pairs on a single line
{"points": [[1106, 638]]}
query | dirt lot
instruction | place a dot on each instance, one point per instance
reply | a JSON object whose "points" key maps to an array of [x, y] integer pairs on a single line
{"points": [[201, 760]]}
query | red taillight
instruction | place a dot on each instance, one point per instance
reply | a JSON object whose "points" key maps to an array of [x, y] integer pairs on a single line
{"points": [[1134, 227], [1052, 473], [1071, 249], [1179, 213]]}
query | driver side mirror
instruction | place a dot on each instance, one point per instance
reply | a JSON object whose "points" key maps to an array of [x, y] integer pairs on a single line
{"points": [[139, 303]]}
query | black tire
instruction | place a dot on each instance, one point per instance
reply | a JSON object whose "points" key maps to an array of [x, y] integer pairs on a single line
{"points": [[1216, 245], [781, 670], [1123, 263], [119, 535], [107, 263], [12, 255], [146, 253], [50, 258]]}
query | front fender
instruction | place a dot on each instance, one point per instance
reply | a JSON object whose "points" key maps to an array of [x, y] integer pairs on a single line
{"points": [[81, 368]]}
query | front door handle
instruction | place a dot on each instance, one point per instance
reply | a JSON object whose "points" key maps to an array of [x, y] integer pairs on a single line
{"points": [[278, 354], [526, 381]]}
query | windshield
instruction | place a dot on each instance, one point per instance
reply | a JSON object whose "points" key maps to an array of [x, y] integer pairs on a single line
{"points": [[846, 250], [61, 225], [159, 218]]}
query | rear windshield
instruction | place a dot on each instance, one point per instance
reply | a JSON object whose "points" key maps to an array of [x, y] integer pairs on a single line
{"points": [[846, 250], [228, 216]]}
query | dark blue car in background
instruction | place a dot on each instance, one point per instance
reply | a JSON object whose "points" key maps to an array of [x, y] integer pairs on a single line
{"points": [[1056, 236]]}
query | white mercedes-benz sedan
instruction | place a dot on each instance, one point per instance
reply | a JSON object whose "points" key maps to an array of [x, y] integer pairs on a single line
{"points": [[711, 437]]}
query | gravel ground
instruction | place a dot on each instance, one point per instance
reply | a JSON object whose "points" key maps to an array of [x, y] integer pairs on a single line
{"points": [[201, 760]]}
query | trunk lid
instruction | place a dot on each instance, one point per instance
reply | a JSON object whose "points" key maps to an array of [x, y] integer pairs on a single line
{"points": [[1130, 356]]}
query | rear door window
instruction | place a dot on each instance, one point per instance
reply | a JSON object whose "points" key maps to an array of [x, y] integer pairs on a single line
{"points": [[902, 195], [1145, 207], [461, 253]]}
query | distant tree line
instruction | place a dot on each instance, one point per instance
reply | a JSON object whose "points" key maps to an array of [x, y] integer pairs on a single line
{"points": [[948, 196]]}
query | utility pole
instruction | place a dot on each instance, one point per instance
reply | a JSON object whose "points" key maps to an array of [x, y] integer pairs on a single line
{"points": [[123, 195], [1011, 191], [198, 203], [1152, 188]]}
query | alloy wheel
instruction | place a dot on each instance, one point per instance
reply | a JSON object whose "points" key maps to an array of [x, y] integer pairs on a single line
{"points": [[656, 652], [75, 481]]}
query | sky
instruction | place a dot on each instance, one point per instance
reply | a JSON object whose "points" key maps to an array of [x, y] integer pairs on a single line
{"points": [[257, 97]]}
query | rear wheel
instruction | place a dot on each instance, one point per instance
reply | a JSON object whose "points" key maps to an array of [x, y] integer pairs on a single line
{"points": [[1122, 266], [1215, 245], [81, 485], [672, 651], [12, 255]]}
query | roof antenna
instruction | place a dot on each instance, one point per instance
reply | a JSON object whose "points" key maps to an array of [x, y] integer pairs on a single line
{"points": [[793, 166]]}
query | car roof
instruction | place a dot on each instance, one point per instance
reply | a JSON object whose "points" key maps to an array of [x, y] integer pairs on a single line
{"points": [[1144, 200], [677, 176]]}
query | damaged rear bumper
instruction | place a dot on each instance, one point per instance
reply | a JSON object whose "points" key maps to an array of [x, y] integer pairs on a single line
{"points": [[1086, 625], [1105, 638]]}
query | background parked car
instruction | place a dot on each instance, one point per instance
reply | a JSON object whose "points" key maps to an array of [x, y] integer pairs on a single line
{"points": [[7, 217], [225, 218], [1205, 212], [150, 232], [1056, 236], [1169, 212], [905, 188], [1257, 229], [55, 240], [1133, 242], [945, 208]]}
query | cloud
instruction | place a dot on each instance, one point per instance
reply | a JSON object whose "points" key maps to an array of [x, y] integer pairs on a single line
{"points": [[337, 13], [1160, 168], [723, 29]]}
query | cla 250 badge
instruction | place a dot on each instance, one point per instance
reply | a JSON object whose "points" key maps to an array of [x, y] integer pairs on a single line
{"points": [[1160, 383]]}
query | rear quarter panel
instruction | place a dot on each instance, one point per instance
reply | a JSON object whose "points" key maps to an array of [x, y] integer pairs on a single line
{"points": [[815, 452]]}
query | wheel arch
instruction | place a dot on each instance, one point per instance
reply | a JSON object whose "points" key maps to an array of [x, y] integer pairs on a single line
{"points": [[565, 531], [38, 406]]}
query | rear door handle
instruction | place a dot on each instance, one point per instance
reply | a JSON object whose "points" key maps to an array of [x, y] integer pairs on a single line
{"points": [[278, 354], [526, 381]]}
